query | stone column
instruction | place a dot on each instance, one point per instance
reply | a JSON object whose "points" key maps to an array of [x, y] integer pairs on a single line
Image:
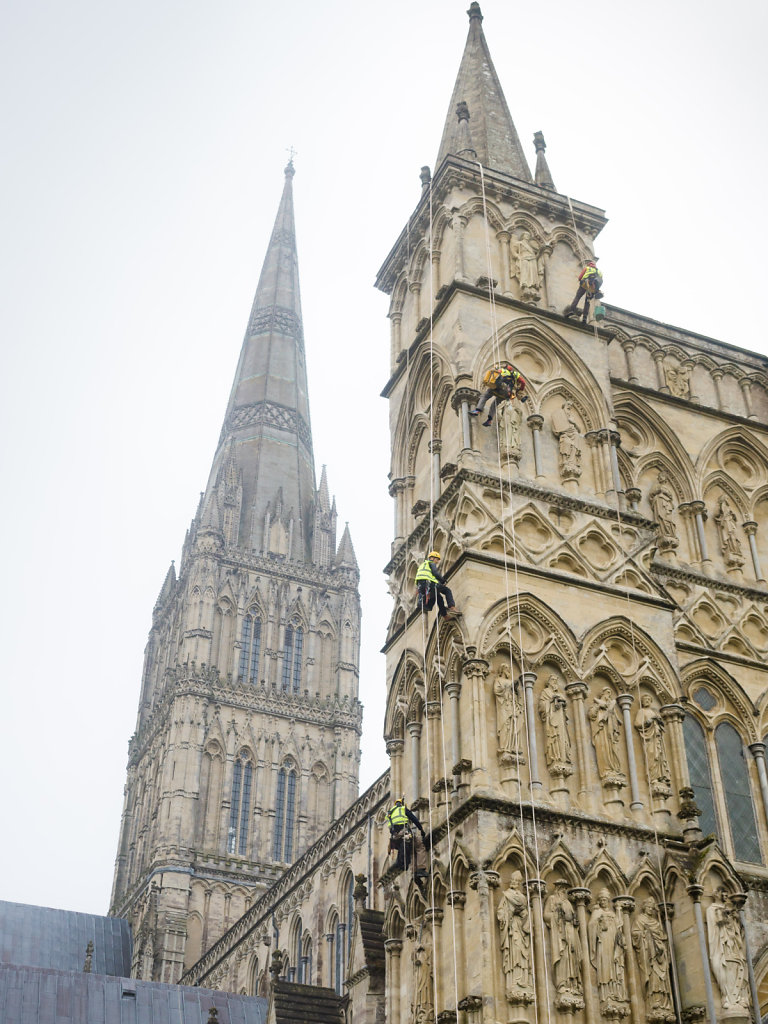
{"points": [[738, 899], [506, 274], [536, 889], [456, 900], [396, 319], [415, 289], [666, 913], [393, 948], [673, 716], [577, 692], [395, 751], [435, 258], [634, 494], [581, 898], [461, 400], [459, 223], [414, 731], [624, 700], [433, 920], [614, 439], [475, 670], [453, 689], [624, 906], [700, 516], [396, 491], [661, 379], [695, 892], [717, 376], [433, 744], [536, 422], [750, 529], [629, 347], [757, 750], [435, 447], [746, 390], [594, 440], [528, 679], [482, 882]]}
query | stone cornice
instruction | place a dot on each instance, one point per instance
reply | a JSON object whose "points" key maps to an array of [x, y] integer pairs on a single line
{"points": [[687, 575], [558, 499], [714, 655], [329, 711], [330, 577], [294, 877], [686, 403]]}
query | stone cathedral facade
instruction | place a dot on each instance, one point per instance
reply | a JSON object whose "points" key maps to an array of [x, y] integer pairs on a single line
{"points": [[585, 745], [248, 736]]}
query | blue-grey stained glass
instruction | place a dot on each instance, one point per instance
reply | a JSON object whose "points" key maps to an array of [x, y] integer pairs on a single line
{"points": [[738, 795], [704, 699], [277, 843], [297, 651], [699, 771], [287, 658], [245, 805], [290, 809]]}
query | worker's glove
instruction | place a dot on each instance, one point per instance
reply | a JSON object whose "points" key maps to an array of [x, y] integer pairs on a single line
{"points": [[425, 840], [524, 398]]}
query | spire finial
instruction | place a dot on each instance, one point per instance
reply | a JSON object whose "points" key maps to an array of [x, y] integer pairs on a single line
{"points": [[542, 175], [290, 170], [474, 11]]}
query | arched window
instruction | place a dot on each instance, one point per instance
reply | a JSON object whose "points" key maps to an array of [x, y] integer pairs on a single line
{"points": [[285, 813], [250, 648], [292, 657], [738, 795], [306, 960], [350, 910], [239, 810], [698, 769]]}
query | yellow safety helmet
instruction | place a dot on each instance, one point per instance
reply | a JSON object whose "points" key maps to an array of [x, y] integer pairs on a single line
{"points": [[433, 554]]}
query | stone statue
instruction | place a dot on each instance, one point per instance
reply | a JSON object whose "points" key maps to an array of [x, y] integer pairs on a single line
{"points": [[606, 736], [662, 502], [650, 725], [606, 954], [423, 984], [562, 921], [514, 919], [526, 253], [566, 430], [727, 953], [553, 713], [678, 380], [730, 544], [510, 714], [652, 950], [510, 423]]}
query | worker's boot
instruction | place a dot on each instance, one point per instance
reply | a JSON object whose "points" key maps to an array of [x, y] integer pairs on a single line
{"points": [[453, 613]]}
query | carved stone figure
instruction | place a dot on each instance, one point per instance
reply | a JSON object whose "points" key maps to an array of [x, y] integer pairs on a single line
{"points": [[509, 716], [727, 953], [652, 950], [727, 525], [526, 253], [510, 423], [678, 380], [562, 921], [650, 725], [553, 713], [606, 736], [606, 954], [423, 984], [566, 430], [662, 502], [514, 921]]}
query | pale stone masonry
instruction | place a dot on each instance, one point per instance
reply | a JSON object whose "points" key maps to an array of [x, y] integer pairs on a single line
{"points": [[248, 736], [586, 743]]}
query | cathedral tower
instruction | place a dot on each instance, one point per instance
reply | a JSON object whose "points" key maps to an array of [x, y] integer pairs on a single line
{"points": [[247, 743], [564, 735]]}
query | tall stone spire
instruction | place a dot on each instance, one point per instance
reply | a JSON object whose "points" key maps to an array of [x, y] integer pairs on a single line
{"points": [[494, 136], [267, 434]]}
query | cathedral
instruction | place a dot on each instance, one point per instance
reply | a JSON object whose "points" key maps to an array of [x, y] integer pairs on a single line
{"points": [[584, 745]]}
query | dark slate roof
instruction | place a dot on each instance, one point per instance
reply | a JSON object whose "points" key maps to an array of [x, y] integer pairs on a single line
{"points": [[42, 937], [32, 995], [299, 1004], [372, 935]]}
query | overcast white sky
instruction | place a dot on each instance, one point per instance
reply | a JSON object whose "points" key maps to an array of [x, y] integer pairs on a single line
{"points": [[144, 144]]}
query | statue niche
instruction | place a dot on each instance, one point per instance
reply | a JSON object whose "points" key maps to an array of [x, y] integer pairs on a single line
{"points": [[730, 544], [650, 726], [510, 431], [510, 720], [652, 950], [606, 737], [662, 502], [514, 921], [527, 266], [567, 431], [727, 954], [553, 714], [561, 919], [607, 956]]}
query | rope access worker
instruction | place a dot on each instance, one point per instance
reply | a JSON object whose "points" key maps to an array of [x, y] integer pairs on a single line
{"points": [[503, 383], [431, 587], [590, 283], [401, 819]]}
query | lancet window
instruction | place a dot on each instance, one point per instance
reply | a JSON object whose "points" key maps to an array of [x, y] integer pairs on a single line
{"points": [[285, 813], [292, 656], [250, 648], [239, 811], [721, 755]]}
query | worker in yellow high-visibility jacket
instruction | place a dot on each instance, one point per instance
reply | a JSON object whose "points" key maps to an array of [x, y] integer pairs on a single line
{"points": [[431, 587], [400, 819], [590, 283]]}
